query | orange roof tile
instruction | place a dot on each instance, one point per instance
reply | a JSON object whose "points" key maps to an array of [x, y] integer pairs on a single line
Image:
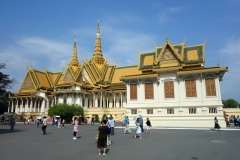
{"points": [[42, 78], [124, 71]]}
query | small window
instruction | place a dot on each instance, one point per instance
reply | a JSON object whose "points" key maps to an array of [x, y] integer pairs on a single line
{"points": [[212, 110], [150, 111], [133, 111], [192, 110], [170, 111]]}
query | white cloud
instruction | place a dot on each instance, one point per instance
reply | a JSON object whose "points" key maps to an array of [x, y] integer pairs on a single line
{"points": [[230, 54], [164, 16], [232, 47]]}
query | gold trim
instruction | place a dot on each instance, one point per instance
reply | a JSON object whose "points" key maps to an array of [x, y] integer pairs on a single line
{"points": [[138, 76], [203, 70]]}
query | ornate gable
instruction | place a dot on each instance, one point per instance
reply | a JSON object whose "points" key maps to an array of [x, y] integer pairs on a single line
{"points": [[68, 76], [27, 83], [169, 55]]}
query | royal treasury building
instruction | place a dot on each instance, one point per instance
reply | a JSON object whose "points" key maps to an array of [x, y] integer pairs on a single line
{"points": [[170, 85]]}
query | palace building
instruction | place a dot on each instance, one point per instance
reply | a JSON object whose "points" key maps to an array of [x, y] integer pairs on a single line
{"points": [[170, 85]]}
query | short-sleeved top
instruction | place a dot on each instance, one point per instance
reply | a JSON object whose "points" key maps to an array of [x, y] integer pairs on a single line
{"points": [[148, 123], [45, 122], [102, 132], [111, 123]]}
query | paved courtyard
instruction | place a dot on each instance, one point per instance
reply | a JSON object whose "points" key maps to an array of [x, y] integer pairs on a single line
{"points": [[28, 143]]}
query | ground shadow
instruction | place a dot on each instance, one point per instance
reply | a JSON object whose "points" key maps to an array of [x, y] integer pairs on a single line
{"points": [[107, 150], [79, 137], [5, 131]]}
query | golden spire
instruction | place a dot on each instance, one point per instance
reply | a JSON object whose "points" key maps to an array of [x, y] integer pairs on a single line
{"points": [[74, 60], [97, 55]]}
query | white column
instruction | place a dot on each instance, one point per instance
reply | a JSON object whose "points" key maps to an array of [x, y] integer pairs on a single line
{"points": [[107, 106], [104, 98], [16, 106], [8, 105], [55, 97], [95, 101], [114, 100], [12, 105], [26, 106], [31, 103], [21, 105], [38, 105], [101, 98], [35, 104], [43, 106], [121, 100]]}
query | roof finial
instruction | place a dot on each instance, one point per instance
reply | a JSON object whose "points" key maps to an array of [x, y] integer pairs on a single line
{"points": [[97, 54], [218, 65], [31, 64], [184, 40], [74, 60], [166, 37]]}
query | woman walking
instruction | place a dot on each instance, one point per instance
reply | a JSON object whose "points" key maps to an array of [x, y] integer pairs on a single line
{"points": [[216, 125], [149, 125], [75, 128], [102, 137], [138, 129]]}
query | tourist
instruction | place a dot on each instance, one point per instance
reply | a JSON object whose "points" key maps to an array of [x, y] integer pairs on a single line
{"points": [[148, 126], [55, 121], [237, 120], [228, 121], [138, 129], [38, 122], [126, 122], [141, 123], [44, 125], [102, 137], [109, 143], [59, 123], [112, 125], [216, 125], [75, 128], [92, 122], [12, 124], [63, 122]]}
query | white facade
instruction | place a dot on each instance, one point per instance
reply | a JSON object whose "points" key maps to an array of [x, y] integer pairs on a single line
{"points": [[187, 111]]}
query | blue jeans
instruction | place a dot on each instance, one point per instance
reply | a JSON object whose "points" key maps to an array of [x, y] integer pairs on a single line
{"points": [[142, 130], [112, 130]]}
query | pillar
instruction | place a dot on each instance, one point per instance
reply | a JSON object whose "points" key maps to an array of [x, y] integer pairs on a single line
{"points": [[12, 105], [31, 103]]}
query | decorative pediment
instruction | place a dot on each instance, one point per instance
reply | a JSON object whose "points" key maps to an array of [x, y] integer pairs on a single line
{"points": [[68, 76], [27, 83], [168, 54]]}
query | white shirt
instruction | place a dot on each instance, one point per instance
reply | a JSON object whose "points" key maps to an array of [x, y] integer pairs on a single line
{"points": [[111, 123]]}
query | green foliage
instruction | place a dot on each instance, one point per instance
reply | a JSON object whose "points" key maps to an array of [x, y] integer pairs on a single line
{"points": [[66, 111], [5, 84], [111, 115], [230, 103], [104, 115], [21, 118], [96, 118]]}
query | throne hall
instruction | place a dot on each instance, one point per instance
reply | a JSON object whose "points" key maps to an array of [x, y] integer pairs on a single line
{"points": [[170, 85]]}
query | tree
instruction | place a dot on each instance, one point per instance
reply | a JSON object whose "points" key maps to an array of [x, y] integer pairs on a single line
{"points": [[5, 84], [104, 115], [230, 103], [97, 118], [66, 111]]}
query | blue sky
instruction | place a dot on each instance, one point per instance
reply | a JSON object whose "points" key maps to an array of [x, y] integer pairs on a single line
{"points": [[42, 33]]}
